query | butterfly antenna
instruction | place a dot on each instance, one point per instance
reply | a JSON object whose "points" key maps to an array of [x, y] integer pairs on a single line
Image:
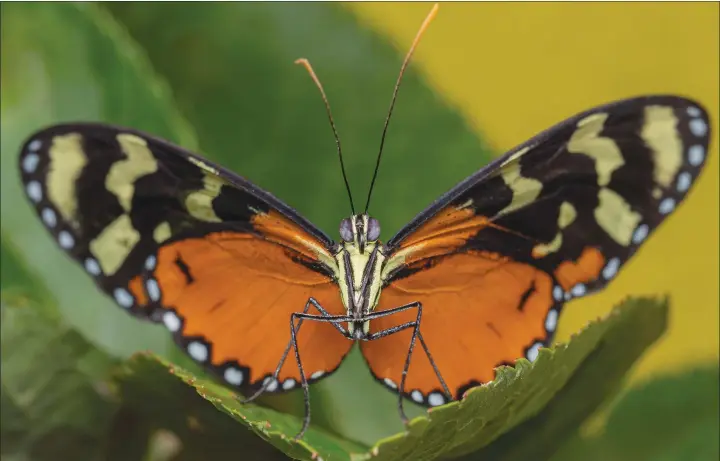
{"points": [[310, 70], [415, 42]]}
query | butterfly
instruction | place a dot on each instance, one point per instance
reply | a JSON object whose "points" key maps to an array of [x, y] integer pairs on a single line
{"points": [[268, 302]]}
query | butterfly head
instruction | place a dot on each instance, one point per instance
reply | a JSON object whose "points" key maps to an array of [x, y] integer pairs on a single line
{"points": [[360, 230]]}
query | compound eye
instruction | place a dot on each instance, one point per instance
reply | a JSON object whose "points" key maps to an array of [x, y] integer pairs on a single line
{"points": [[346, 231], [373, 232]]}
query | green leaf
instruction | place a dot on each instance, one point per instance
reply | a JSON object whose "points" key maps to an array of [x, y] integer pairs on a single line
{"points": [[672, 418], [69, 62], [537, 406], [230, 66], [55, 399], [155, 388]]}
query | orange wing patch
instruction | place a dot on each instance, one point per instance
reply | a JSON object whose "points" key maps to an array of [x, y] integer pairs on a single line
{"points": [[586, 269], [480, 310], [138, 291], [448, 230], [456, 224], [274, 227], [229, 297]]}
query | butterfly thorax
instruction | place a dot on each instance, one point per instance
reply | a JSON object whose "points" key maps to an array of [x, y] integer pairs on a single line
{"points": [[360, 259]]}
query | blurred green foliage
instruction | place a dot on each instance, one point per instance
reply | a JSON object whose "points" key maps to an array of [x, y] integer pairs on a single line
{"points": [[670, 418], [53, 383], [219, 78]]}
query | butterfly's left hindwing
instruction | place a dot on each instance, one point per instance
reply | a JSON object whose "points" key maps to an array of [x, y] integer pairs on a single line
{"points": [[495, 259], [176, 239]]}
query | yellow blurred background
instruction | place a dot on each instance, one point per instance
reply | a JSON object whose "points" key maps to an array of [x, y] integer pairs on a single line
{"points": [[514, 69]]}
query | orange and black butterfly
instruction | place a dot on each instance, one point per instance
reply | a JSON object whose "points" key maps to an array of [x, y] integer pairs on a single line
{"points": [[268, 302]]}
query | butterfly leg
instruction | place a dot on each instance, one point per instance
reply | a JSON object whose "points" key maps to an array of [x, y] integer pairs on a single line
{"points": [[311, 302], [446, 390], [325, 317], [389, 331], [415, 325], [335, 320]]}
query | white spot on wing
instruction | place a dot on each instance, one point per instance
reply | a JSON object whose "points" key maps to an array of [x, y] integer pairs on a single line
{"points": [[640, 234], [578, 290], [532, 353], [123, 297], [693, 111], [417, 396], [558, 293], [611, 268], [34, 145], [92, 266], [34, 191], [271, 384], [390, 383], [288, 384], [684, 180], [551, 320], [198, 351], [317, 374], [436, 398], [150, 263], [66, 240], [49, 217], [233, 376], [696, 155], [30, 163], [666, 206], [698, 127], [153, 289], [172, 321]]}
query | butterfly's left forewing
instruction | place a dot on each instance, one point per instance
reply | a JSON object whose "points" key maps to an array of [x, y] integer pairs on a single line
{"points": [[495, 259], [176, 239]]}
